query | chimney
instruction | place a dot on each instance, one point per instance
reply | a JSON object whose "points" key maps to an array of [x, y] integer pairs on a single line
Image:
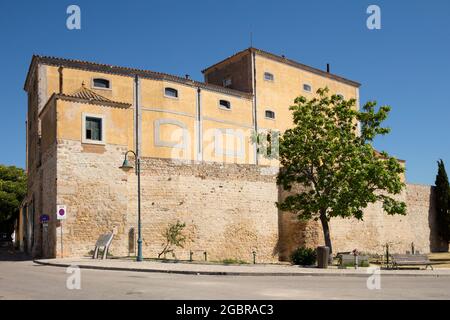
{"points": [[328, 68], [187, 76]]}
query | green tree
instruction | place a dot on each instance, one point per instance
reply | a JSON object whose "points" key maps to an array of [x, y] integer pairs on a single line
{"points": [[174, 237], [13, 187], [335, 162], [442, 192]]}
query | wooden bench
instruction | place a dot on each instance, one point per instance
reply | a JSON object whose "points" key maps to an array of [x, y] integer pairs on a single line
{"points": [[400, 260]]}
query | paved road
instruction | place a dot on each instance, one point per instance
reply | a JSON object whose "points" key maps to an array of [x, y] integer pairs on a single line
{"points": [[26, 280]]}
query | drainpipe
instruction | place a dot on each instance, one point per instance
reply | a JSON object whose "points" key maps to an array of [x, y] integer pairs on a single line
{"points": [[199, 133], [61, 81], [255, 113]]}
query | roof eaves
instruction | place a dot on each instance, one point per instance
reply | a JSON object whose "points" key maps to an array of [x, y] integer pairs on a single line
{"points": [[125, 71], [289, 62], [117, 104]]}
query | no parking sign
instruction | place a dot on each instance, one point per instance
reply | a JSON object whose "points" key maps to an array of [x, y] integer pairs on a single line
{"points": [[61, 212]]}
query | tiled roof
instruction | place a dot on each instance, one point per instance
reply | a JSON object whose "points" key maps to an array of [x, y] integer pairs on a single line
{"points": [[88, 96], [125, 71], [85, 93], [290, 62]]}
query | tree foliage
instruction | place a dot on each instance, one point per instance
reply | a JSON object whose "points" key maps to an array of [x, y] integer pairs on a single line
{"points": [[13, 188], [336, 163], [174, 237], [442, 192]]}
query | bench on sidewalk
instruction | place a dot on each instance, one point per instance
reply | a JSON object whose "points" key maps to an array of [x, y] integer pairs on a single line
{"points": [[348, 260], [104, 241], [401, 260]]}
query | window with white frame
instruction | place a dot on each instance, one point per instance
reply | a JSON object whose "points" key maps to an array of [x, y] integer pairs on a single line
{"points": [[93, 129], [171, 92], [268, 76], [307, 87], [101, 83], [270, 114]]}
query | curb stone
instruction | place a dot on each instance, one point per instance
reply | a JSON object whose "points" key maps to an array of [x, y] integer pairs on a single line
{"points": [[236, 273]]}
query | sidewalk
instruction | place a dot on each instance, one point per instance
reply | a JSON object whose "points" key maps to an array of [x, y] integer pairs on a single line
{"points": [[228, 270]]}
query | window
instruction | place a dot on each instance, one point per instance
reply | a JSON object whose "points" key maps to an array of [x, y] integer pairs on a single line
{"points": [[100, 83], [268, 76], [93, 129], [307, 87], [226, 82], [225, 104], [171, 92], [340, 95], [270, 114]]}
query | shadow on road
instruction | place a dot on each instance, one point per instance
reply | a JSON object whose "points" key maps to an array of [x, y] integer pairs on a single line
{"points": [[8, 253]]}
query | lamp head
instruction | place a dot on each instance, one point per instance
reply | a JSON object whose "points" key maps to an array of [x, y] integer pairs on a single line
{"points": [[126, 166]]}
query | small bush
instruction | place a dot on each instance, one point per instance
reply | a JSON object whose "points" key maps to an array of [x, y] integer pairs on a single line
{"points": [[304, 256]]}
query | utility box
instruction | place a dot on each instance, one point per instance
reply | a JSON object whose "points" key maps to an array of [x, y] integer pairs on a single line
{"points": [[323, 256]]}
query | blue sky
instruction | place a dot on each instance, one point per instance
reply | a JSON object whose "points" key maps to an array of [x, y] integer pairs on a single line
{"points": [[405, 64]]}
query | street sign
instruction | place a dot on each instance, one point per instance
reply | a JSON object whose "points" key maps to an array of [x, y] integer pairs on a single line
{"points": [[61, 212], [44, 218]]}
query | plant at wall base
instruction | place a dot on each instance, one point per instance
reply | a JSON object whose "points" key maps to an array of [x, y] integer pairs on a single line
{"points": [[442, 192], [13, 188], [304, 256], [335, 162], [174, 237]]}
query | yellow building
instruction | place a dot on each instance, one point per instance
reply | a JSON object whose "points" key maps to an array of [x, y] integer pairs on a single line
{"points": [[81, 116]]}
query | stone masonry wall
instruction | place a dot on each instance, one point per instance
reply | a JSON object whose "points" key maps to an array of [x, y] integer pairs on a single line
{"points": [[229, 210], [377, 228]]}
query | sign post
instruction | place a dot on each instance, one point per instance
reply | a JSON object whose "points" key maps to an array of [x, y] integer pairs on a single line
{"points": [[61, 214]]}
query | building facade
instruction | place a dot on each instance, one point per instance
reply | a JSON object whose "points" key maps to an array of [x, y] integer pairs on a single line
{"points": [[199, 163]]}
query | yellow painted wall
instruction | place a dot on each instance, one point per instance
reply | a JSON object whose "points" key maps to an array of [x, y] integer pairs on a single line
{"points": [[278, 95], [117, 122], [121, 91], [178, 116], [288, 82]]}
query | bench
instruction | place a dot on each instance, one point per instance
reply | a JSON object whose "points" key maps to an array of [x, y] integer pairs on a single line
{"points": [[399, 260], [103, 241], [348, 260]]}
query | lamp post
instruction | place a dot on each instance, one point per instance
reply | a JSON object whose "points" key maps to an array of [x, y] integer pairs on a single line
{"points": [[126, 166]]}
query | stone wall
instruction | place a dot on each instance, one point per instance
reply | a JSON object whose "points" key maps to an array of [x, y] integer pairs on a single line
{"points": [[229, 210], [377, 228]]}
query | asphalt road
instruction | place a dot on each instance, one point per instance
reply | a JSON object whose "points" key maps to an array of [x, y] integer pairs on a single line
{"points": [[26, 280]]}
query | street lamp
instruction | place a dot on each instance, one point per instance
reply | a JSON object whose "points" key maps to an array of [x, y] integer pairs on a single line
{"points": [[127, 166]]}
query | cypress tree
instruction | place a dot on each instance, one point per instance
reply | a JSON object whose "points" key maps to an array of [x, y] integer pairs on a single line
{"points": [[443, 201]]}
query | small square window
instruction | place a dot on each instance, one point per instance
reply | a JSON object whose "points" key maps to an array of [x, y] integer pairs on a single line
{"points": [[171, 92], [268, 76], [100, 83], [270, 114], [307, 87], [225, 104], [227, 82]]}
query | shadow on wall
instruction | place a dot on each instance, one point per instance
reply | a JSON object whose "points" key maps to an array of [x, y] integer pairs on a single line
{"points": [[437, 244], [292, 233]]}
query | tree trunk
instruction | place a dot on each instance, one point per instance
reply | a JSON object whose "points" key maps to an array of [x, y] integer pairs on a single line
{"points": [[326, 230]]}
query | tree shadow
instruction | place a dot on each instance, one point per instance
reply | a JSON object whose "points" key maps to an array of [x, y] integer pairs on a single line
{"points": [[437, 244], [8, 253]]}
